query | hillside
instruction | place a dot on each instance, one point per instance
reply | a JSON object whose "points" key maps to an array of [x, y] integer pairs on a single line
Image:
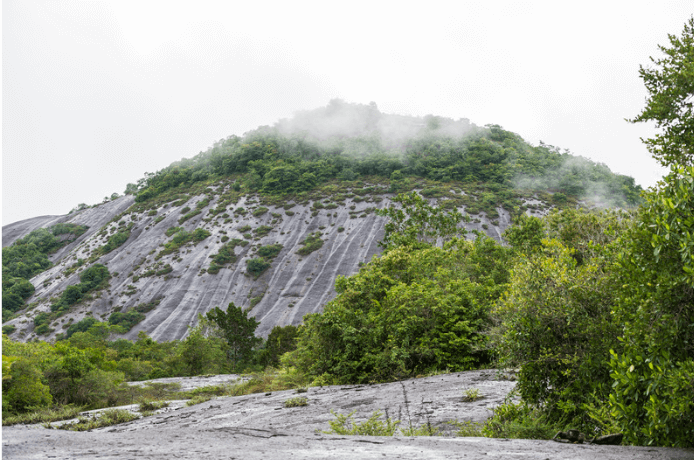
{"points": [[231, 224]]}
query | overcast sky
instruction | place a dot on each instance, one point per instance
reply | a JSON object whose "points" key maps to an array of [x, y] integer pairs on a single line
{"points": [[95, 94]]}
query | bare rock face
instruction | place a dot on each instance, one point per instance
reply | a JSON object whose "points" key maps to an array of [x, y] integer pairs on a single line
{"points": [[178, 287]]}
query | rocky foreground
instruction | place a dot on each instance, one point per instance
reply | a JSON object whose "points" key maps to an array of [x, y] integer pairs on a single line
{"points": [[260, 427]]}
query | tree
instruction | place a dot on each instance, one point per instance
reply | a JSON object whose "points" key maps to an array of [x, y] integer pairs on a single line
{"points": [[653, 378], [556, 324], [417, 224], [671, 94], [281, 340], [406, 313], [238, 330], [200, 354]]}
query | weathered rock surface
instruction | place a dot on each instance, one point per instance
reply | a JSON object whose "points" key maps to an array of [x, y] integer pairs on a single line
{"points": [[294, 285], [259, 426]]}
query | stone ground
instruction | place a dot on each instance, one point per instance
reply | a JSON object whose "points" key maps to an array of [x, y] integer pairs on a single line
{"points": [[260, 427]]}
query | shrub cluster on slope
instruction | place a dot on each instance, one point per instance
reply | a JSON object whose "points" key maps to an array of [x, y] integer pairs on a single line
{"points": [[26, 258]]}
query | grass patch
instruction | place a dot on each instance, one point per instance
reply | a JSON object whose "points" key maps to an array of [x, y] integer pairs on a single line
{"points": [[198, 399], [148, 406], [43, 415], [471, 394], [345, 425], [106, 418], [298, 401]]}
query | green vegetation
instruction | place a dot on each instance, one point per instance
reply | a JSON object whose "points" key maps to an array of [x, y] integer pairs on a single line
{"points": [[260, 211], [92, 279], [238, 331], [116, 239], [28, 257], [225, 255], [126, 320], [297, 401], [270, 251], [259, 265], [312, 243], [344, 425], [262, 230], [106, 418], [180, 238], [293, 160]]}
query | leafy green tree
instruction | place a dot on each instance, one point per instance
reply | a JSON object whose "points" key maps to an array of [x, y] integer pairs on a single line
{"points": [[126, 320], [416, 224], [201, 355], [25, 388], [238, 330], [406, 313], [281, 340], [654, 374], [556, 324], [670, 86], [81, 326]]}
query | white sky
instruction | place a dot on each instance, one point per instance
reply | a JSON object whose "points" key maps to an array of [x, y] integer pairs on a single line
{"points": [[95, 93]]}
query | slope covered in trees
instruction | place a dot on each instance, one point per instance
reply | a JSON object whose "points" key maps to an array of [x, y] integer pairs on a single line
{"points": [[348, 141]]}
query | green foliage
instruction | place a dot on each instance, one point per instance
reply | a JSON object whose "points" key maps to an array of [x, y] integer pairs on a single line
{"points": [[257, 266], [471, 394], [180, 238], [147, 406], [224, 256], [27, 257], [26, 388], [345, 425], [199, 399], [652, 371], [556, 324], [416, 223], [298, 401], [92, 279], [313, 242], [262, 230], [108, 417], [281, 340], [278, 162], [270, 251], [116, 240], [670, 86], [260, 211], [42, 415], [406, 313], [519, 421], [237, 329], [200, 354], [81, 326], [126, 320]]}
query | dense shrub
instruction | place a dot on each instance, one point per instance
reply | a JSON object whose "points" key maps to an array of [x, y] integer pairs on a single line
{"points": [[313, 242], [406, 313], [257, 266]]}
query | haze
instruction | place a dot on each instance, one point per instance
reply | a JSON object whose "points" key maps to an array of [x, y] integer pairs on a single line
{"points": [[95, 94]]}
